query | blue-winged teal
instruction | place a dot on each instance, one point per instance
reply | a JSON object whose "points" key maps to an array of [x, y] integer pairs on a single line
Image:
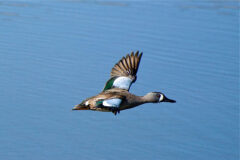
{"points": [[115, 95]]}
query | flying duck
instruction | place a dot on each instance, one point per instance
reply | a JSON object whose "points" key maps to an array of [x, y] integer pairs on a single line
{"points": [[115, 95]]}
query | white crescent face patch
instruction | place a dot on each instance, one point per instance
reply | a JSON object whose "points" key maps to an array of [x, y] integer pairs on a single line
{"points": [[122, 82], [114, 102], [161, 97]]}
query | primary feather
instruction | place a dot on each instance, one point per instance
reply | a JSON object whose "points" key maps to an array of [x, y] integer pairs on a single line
{"points": [[127, 66]]}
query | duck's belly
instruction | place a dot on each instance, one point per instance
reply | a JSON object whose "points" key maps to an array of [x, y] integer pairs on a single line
{"points": [[128, 106]]}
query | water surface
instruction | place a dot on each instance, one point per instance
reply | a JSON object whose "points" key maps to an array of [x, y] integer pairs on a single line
{"points": [[54, 54]]}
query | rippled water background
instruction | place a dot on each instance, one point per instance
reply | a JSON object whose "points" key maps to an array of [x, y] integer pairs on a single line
{"points": [[54, 54]]}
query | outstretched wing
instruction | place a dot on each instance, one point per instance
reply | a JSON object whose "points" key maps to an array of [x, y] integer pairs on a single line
{"points": [[124, 73]]}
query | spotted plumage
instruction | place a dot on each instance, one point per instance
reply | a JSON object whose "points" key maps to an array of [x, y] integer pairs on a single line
{"points": [[115, 95]]}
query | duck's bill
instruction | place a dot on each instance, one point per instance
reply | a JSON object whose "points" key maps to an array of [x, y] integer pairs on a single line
{"points": [[169, 100], [79, 107]]}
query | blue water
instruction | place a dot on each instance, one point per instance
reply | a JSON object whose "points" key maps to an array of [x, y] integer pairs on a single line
{"points": [[54, 54]]}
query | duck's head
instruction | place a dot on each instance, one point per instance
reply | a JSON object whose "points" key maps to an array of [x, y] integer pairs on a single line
{"points": [[157, 97]]}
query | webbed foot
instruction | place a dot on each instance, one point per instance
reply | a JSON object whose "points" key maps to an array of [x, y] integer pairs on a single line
{"points": [[115, 110]]}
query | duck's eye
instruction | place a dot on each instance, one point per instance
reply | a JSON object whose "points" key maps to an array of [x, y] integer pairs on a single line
{"points": [[158, 95]]}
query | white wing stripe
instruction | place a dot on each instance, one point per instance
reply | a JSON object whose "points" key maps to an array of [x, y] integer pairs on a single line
{"points": [[122, 82], [115, 102]]}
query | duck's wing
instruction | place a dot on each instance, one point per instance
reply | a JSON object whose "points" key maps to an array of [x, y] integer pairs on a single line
{"points": [[124, 73], [111, 104], [105, 101]]}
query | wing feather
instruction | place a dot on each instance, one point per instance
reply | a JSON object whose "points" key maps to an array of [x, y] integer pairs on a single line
{"points": [[137, 61], [122, 65], [128, 59], [119, 69], [126, 67], [114, 102]]}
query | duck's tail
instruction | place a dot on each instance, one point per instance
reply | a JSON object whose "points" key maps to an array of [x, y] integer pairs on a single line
{"points": [[81, 107]]}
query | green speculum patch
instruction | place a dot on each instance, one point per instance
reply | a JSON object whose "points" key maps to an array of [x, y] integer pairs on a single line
{"points": [[99, 103], [109, 83]]}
